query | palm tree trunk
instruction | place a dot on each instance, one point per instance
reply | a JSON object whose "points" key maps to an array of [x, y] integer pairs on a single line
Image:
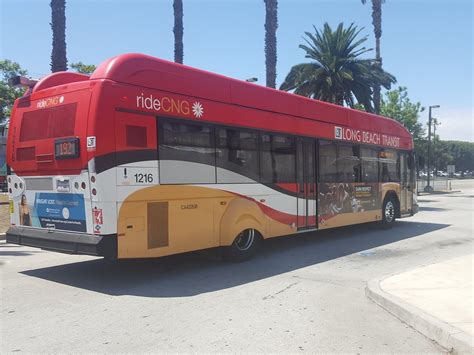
{"points": [[271, 25], [377, 22], [58, 25], [178, 31]]}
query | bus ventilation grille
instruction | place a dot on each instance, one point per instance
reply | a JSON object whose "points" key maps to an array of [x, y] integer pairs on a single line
{"points": [[157, 217]]}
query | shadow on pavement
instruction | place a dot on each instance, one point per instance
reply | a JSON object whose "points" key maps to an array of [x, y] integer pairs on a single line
{"points": [[195, 273]]}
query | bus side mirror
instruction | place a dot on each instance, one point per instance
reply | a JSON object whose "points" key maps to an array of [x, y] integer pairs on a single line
{"points": [[421, 162]]}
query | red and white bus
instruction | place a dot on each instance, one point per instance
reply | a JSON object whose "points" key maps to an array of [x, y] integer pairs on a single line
{"points": [[146, 158]]}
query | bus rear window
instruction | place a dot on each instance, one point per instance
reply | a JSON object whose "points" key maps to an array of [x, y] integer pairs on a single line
{"points": [[53, 122]]}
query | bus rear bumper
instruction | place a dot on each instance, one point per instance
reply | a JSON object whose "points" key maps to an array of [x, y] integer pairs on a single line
{"points": [[64, 241]]}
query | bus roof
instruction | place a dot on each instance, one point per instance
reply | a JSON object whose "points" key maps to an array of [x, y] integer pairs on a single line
{"points": [[149, 72], [154, 73]]}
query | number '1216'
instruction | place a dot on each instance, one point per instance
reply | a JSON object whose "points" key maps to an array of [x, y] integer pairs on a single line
{"points": [[143, 178]]}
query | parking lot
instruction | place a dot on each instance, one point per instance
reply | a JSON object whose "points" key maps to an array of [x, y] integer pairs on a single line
{"points": [[303, 293]]}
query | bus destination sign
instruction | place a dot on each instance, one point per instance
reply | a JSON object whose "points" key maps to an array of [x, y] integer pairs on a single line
{"points": [[66, 148]]}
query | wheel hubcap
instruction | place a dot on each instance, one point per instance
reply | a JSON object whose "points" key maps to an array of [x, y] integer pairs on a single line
{"points": [[245, 239], [389, 211]]}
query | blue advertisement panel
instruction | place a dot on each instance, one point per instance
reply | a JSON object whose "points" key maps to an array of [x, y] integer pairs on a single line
{"points": [[60, 211]]}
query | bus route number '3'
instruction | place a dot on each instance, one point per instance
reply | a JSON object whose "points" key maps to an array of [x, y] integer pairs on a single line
{"points": [[143, 178]]}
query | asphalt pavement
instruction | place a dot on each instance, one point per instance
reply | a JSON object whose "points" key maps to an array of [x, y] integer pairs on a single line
{"points": [[300, 294]]}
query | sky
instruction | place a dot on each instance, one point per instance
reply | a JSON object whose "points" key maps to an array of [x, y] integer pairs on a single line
{"points": [[426, 44]]}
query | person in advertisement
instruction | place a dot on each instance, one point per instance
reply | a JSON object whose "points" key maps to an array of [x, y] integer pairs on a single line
{"points": [[25, 213], [339, 198]]}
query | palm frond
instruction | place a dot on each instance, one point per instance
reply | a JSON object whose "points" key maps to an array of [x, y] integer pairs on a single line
{"points": [[337, 73]]}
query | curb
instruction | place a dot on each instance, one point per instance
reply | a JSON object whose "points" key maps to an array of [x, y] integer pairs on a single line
{"points": [[450, 338], [423, 193]]}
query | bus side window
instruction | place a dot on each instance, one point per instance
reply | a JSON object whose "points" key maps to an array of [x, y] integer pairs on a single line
{"points": [[187, 153], [389, 165], [327, 161], [348, 163], [370, 164], [236, 155], [277, 159]]}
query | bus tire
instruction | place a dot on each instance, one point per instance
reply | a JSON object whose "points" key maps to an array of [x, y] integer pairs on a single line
{"points": [[244, 246], [389, 211]]}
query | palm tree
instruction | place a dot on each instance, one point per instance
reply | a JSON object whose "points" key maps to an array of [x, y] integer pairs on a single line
{"points": [[337, 74], [178, 31], [271, 25], [58, 25], [377, 22]]}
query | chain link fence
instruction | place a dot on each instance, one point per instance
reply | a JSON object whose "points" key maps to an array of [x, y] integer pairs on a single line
{"points": [[437, 183]]}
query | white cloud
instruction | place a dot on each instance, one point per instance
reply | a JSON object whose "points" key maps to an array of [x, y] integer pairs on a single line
{"points": [[456, 123]]}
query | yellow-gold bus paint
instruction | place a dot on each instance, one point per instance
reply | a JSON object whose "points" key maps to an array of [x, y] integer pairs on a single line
{"points": [[390, 186], [216, 218], [203, 217], [241, 214], [345, 219]]}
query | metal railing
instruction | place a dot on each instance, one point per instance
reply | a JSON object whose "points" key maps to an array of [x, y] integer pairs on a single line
{"points": [[437, 183]]}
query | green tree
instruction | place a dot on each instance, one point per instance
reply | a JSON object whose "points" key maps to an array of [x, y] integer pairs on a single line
{"points": [[337, 73], [178, 30], [462, 154], [58, 25], [397, 105], [8, 94], [271, 25], [377, 22], [83, 68]]}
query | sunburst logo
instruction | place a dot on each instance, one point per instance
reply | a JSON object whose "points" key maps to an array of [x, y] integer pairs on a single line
{"points": [[198, 110]]}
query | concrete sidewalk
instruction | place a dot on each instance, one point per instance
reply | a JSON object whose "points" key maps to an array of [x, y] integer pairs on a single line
{"points": [[436, 300]]}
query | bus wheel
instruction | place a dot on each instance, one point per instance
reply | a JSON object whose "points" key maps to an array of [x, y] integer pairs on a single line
{"points": [[244, 246], [389, 212]]}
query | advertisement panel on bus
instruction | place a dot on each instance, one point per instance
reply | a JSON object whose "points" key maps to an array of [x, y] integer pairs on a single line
{"points": [[52, 210]]}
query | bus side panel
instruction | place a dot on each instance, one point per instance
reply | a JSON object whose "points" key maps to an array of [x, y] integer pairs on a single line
{"points": [[170, 219]]}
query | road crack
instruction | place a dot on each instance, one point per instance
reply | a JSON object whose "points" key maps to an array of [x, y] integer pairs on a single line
{"points": [[281, 291]]}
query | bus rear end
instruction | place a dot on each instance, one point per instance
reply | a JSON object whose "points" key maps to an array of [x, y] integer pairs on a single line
{"points": [[49, 184]]}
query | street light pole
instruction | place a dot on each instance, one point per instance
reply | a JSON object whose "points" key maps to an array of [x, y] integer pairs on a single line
{"points": [[428, 187], [435, 123]]}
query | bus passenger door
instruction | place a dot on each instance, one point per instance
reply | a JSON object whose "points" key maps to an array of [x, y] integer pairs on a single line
{"points": [[404, 184], [306, 183], [411, 173]]}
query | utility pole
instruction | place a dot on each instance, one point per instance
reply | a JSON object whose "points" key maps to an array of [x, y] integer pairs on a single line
{"points": [[428, 187], [435, 123]]}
